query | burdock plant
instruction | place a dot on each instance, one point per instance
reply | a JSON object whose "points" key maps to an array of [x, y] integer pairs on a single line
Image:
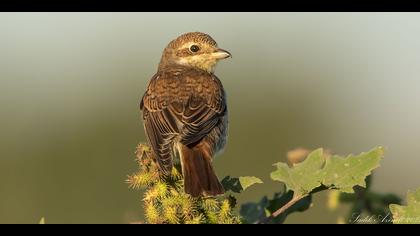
{"points": [[165, 202]]}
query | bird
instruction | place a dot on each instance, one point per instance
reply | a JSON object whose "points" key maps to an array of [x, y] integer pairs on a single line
{"points": [[185, 113]]}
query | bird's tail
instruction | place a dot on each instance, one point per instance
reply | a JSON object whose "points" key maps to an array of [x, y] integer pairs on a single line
{"points": [[199, 176]]}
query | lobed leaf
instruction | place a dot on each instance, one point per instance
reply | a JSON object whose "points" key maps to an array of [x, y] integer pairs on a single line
{"points": [[317, 170], [409, 214]]}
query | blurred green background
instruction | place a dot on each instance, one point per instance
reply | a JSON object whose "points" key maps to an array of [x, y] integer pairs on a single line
{"points": [[70, 85]]}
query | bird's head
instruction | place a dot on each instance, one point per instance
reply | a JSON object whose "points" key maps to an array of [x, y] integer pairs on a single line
{"points": [[197, 50]]}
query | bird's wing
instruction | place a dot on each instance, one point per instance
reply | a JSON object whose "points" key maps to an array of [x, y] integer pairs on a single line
{"points": [[188, 105], [201, 115], [159, 124]]}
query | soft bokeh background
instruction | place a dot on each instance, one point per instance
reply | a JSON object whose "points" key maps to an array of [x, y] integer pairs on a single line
{"points": [[70, 85]]}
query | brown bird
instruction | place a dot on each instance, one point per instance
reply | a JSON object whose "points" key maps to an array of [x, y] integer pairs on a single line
{"points": [[185, 112]]}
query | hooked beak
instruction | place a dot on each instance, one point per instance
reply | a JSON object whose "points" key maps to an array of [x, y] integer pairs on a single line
{"points": [[221, 54]]}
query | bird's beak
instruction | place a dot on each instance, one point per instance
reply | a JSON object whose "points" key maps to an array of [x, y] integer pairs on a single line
{"points": [[221, 54]]}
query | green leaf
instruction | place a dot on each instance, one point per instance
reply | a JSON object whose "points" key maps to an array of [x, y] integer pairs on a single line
{"points": [[240, 184], [253, 212], [345, 173], [409, 214], [304, 176], [248, 181], [231, 184], [337, 172]]}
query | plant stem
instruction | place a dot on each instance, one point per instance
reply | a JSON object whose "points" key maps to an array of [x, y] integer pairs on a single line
{"points": [[282, 209]]}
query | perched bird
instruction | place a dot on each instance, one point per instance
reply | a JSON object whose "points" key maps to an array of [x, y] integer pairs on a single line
{"points": [[185, 112]]}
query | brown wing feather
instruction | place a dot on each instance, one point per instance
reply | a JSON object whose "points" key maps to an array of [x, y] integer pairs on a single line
{"points": [[186, 104]]}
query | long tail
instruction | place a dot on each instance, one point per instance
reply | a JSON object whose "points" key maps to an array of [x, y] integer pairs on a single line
{"points": [[199, 176]]}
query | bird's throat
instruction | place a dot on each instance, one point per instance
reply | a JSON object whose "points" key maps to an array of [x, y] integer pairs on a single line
{"points": [[200, 62]]}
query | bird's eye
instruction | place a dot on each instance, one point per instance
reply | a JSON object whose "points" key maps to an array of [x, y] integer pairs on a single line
{"points": [[194, 48]]}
